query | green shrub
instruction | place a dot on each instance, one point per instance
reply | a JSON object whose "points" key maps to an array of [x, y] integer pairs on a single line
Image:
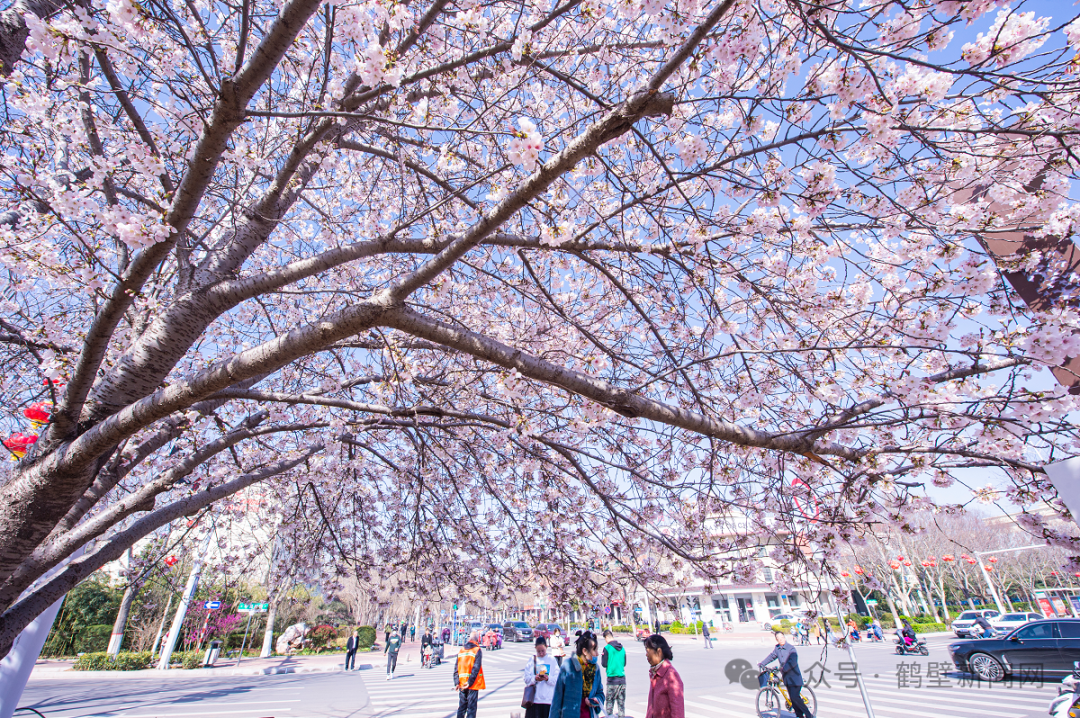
{"points": [[930, 627], [366, 636], [124, 661]]}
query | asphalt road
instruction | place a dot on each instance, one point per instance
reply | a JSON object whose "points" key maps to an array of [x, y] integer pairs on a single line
{"points": [[899, 687]]}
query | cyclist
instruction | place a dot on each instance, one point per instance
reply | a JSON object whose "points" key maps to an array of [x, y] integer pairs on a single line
{"points": [[785, 655], [987, 631]]}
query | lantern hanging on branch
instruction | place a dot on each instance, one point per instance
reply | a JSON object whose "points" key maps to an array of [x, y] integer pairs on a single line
{"points": [[19, 444], [171, 560], [992, 559], [845, 574], [925, 564], [948, 558], [38, 413], [894, 565], [907, 562], [971, 560], [858, 570]]}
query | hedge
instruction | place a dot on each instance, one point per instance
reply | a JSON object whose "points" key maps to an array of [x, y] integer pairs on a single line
{"points": [[366, 636], [102, 661]]}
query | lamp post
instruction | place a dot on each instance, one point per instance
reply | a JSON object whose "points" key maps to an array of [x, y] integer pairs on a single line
{"points": [[986, 574]]}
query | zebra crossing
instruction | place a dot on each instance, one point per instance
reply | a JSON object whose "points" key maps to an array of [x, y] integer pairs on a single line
{"points": [[888, 701], [429, 693], [419, 693]]}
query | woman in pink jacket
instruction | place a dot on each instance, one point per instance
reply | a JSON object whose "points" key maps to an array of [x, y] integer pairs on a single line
{"points": [[665, 685]]}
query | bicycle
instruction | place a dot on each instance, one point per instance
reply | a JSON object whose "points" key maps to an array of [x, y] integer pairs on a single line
{"points": [[773, 697]]}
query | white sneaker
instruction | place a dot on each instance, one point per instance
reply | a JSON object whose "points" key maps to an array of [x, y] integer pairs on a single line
{"points": [[387, 676]]}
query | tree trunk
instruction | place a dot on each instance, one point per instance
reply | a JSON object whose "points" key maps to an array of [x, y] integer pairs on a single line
{"points": [[117, 637], [268, 636]]}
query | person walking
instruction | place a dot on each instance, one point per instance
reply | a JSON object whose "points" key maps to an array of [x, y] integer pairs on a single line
{"points": [[815, 631], [541, 672], [393, 645], [705, 634], [350, 650], [412, 633], [788, 659], [579, 692], [614, 663], [469, 676], [557, 644], [665, 685]]}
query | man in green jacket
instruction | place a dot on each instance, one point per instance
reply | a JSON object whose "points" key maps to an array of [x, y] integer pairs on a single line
{"points": [[614, 663]]}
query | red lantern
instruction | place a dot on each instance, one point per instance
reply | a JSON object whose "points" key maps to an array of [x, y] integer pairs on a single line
{"points": [[907, 562], [992, 559], [1077, 575], [971, 561], [964, 556], [858, 570], [1053, 573], [899, 558], [894, 565], [988, 569], [845, 574], [171, 560], [38, 413], [19, 444], [926, 564], [948, 558]]}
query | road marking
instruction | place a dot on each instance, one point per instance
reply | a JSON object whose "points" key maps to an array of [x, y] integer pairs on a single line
{"points": [[179, 715]]}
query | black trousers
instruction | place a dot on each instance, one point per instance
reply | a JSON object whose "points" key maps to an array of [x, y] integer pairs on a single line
{"points": [[797, 703], [391, 662], [350, 660], [466, 707], [538, 710]]}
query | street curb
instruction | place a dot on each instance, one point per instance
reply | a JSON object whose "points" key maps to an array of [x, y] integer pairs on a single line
{"points": [[196, 672]]}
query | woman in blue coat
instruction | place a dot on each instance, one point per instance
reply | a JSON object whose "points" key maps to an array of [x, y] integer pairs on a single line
{"points": [[579, 692]]}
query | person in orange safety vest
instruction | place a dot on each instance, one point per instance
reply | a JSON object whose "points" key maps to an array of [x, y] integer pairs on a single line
{"points": [[469, 677]]}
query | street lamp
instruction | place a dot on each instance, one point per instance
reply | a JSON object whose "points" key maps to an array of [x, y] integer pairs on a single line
{"points": [[986, 573]]}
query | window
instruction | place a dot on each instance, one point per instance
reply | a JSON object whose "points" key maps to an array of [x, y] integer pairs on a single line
{"points": [[1069, 629], [768, 575], [1043, 629], [761, 552]]}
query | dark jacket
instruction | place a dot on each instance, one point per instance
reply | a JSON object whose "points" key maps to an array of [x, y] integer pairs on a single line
{"points": [[351, 644], [393, 645], [788, 659], [426, 640], [566, 703]]}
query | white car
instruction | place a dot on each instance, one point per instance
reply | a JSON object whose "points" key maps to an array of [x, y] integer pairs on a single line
{"points": [[1008, 621], [774, 622], [963, 623]]}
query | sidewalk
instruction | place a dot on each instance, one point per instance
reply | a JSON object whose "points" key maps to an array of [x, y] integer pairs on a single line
{"points": [[323, 663]]}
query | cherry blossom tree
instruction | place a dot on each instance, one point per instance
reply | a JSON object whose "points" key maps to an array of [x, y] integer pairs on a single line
{"points": [[465, 288]]}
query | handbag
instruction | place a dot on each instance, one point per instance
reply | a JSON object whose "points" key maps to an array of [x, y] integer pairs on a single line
{"points": [[529, 696]]}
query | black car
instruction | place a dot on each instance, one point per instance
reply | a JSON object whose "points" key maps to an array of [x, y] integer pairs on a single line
{"points": [[1046, 647], [517, 631]]}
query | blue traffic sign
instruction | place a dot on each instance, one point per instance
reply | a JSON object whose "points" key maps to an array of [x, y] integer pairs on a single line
{"points": [[212, 605]]}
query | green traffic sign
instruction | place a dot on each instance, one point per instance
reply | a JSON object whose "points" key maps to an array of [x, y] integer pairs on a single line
{"points": [[256, 607]]}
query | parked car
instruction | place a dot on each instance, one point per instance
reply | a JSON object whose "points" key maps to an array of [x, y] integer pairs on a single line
{"points": [[517, 631], [546, 629], [773, 623], [963, 623], [1045, 647], [1007, 622]]}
